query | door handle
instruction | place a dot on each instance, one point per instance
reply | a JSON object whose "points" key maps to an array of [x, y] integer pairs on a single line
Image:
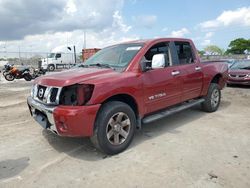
{"points": [[197, 68], [175, 73]]}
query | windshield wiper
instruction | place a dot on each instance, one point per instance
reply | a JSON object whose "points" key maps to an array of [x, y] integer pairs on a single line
{"points": [[101, 65], [82, 65], [248, 68]]}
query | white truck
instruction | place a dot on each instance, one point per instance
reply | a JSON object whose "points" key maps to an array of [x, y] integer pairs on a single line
{"points": [[59, 58]]}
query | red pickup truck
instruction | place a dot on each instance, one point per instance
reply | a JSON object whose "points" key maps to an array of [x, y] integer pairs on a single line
{"points": [[124, 86]]}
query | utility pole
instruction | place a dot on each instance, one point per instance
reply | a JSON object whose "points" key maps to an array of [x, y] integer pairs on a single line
{"points": [[19, 53], [5, 50], [75, 53], [84, 40]]}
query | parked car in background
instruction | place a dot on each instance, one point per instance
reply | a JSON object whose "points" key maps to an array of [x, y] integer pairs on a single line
{"points": [[239, 73], [229, 62], [123, 86]]}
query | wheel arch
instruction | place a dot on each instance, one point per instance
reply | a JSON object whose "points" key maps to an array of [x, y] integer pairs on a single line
{"points": [[218, 79], [127, 99]]}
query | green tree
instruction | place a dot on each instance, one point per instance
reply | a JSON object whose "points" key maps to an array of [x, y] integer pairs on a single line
{"points": [[201, 52], [238, 46], [214, 50]]}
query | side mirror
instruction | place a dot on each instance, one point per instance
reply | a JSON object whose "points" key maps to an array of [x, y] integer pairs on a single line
{"points": [[158, 61]]}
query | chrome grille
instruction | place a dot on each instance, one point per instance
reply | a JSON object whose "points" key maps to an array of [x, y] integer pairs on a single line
{"points": [[47, 94], [41, 92], [237, 76], [53, 94]]}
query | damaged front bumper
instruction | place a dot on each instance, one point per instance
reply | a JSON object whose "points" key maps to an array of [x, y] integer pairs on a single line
{"points": [[69, 121], [42, 114]]}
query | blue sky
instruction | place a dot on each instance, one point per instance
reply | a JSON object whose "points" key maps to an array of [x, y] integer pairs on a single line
{"points": [[43, 25], [175, 15]]}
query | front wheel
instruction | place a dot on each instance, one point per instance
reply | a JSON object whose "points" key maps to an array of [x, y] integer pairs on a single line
{"points": [[5, 72], [114, 127], [212, 99], [27, 77], [9, 77]]}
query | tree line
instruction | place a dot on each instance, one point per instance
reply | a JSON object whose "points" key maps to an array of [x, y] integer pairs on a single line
{"points": [[237, 46]]}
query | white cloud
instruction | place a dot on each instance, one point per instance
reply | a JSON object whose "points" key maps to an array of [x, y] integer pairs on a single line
{"points": [[180, 33], [101, 19], [47, 42], [29, 17], [119, 23], [70, 7], [147, 21], [209, 35], [206, 42], [239, 17]]}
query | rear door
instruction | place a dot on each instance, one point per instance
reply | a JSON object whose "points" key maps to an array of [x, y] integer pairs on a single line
{"points": [[191, 71], [162, 87]]}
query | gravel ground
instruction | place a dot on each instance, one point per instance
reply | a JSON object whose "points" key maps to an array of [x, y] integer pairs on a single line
{"points": [[188, 149]]}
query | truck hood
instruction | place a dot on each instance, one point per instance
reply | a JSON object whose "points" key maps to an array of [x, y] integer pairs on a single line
{"points": [[74, 76]]}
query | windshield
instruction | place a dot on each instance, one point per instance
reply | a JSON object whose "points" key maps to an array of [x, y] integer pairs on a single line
{"points": [[118, 56], [51, 55], [242, 64]]}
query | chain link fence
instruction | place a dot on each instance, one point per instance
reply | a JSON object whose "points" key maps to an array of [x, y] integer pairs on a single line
{"points": [[32, 59], [223, 57]]}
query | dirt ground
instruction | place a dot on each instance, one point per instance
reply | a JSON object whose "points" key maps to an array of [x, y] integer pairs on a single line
{"points": [[188, 149]]}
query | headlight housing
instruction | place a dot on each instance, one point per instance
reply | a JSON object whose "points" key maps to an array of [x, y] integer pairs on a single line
{"points": [[76, 95], [33, 90]]}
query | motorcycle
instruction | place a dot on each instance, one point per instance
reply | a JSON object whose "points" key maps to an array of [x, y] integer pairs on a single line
{"points": [[38, 72], [6, 69], [10, 73]]}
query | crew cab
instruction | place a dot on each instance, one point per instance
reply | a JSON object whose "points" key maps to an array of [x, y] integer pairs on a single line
{"points": [[124, 86]]}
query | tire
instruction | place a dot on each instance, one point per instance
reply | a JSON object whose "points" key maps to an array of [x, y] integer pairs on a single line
{"points": [[212, 99], [51, 68], [108, 125], [9, 77], [5, 72], [27, 77]]}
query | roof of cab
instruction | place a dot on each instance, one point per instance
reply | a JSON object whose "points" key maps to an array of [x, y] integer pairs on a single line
{"points": [[147, 41]]}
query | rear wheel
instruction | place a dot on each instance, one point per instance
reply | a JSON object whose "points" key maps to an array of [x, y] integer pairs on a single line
{"points": [[212, 100], [114, 128], [51, 68]]}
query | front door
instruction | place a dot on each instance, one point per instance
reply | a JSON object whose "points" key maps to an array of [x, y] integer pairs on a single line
{"points": [[162, 87]]}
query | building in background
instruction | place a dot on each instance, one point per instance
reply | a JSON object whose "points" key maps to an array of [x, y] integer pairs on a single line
{"points": [[87, 53]]}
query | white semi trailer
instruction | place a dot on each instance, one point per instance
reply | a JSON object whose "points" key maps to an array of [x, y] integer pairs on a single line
{"points": [[59, 58]]}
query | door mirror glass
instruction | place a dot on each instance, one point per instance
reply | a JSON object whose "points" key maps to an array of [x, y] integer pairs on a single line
{"points": [[158, 61]]}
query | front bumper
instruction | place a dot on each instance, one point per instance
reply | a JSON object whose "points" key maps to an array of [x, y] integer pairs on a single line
{"points": [[71, 121], [239, 82]]}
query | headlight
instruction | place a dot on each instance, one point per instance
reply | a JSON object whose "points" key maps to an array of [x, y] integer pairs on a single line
{"points": [[33, 90], [76, 95]]}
